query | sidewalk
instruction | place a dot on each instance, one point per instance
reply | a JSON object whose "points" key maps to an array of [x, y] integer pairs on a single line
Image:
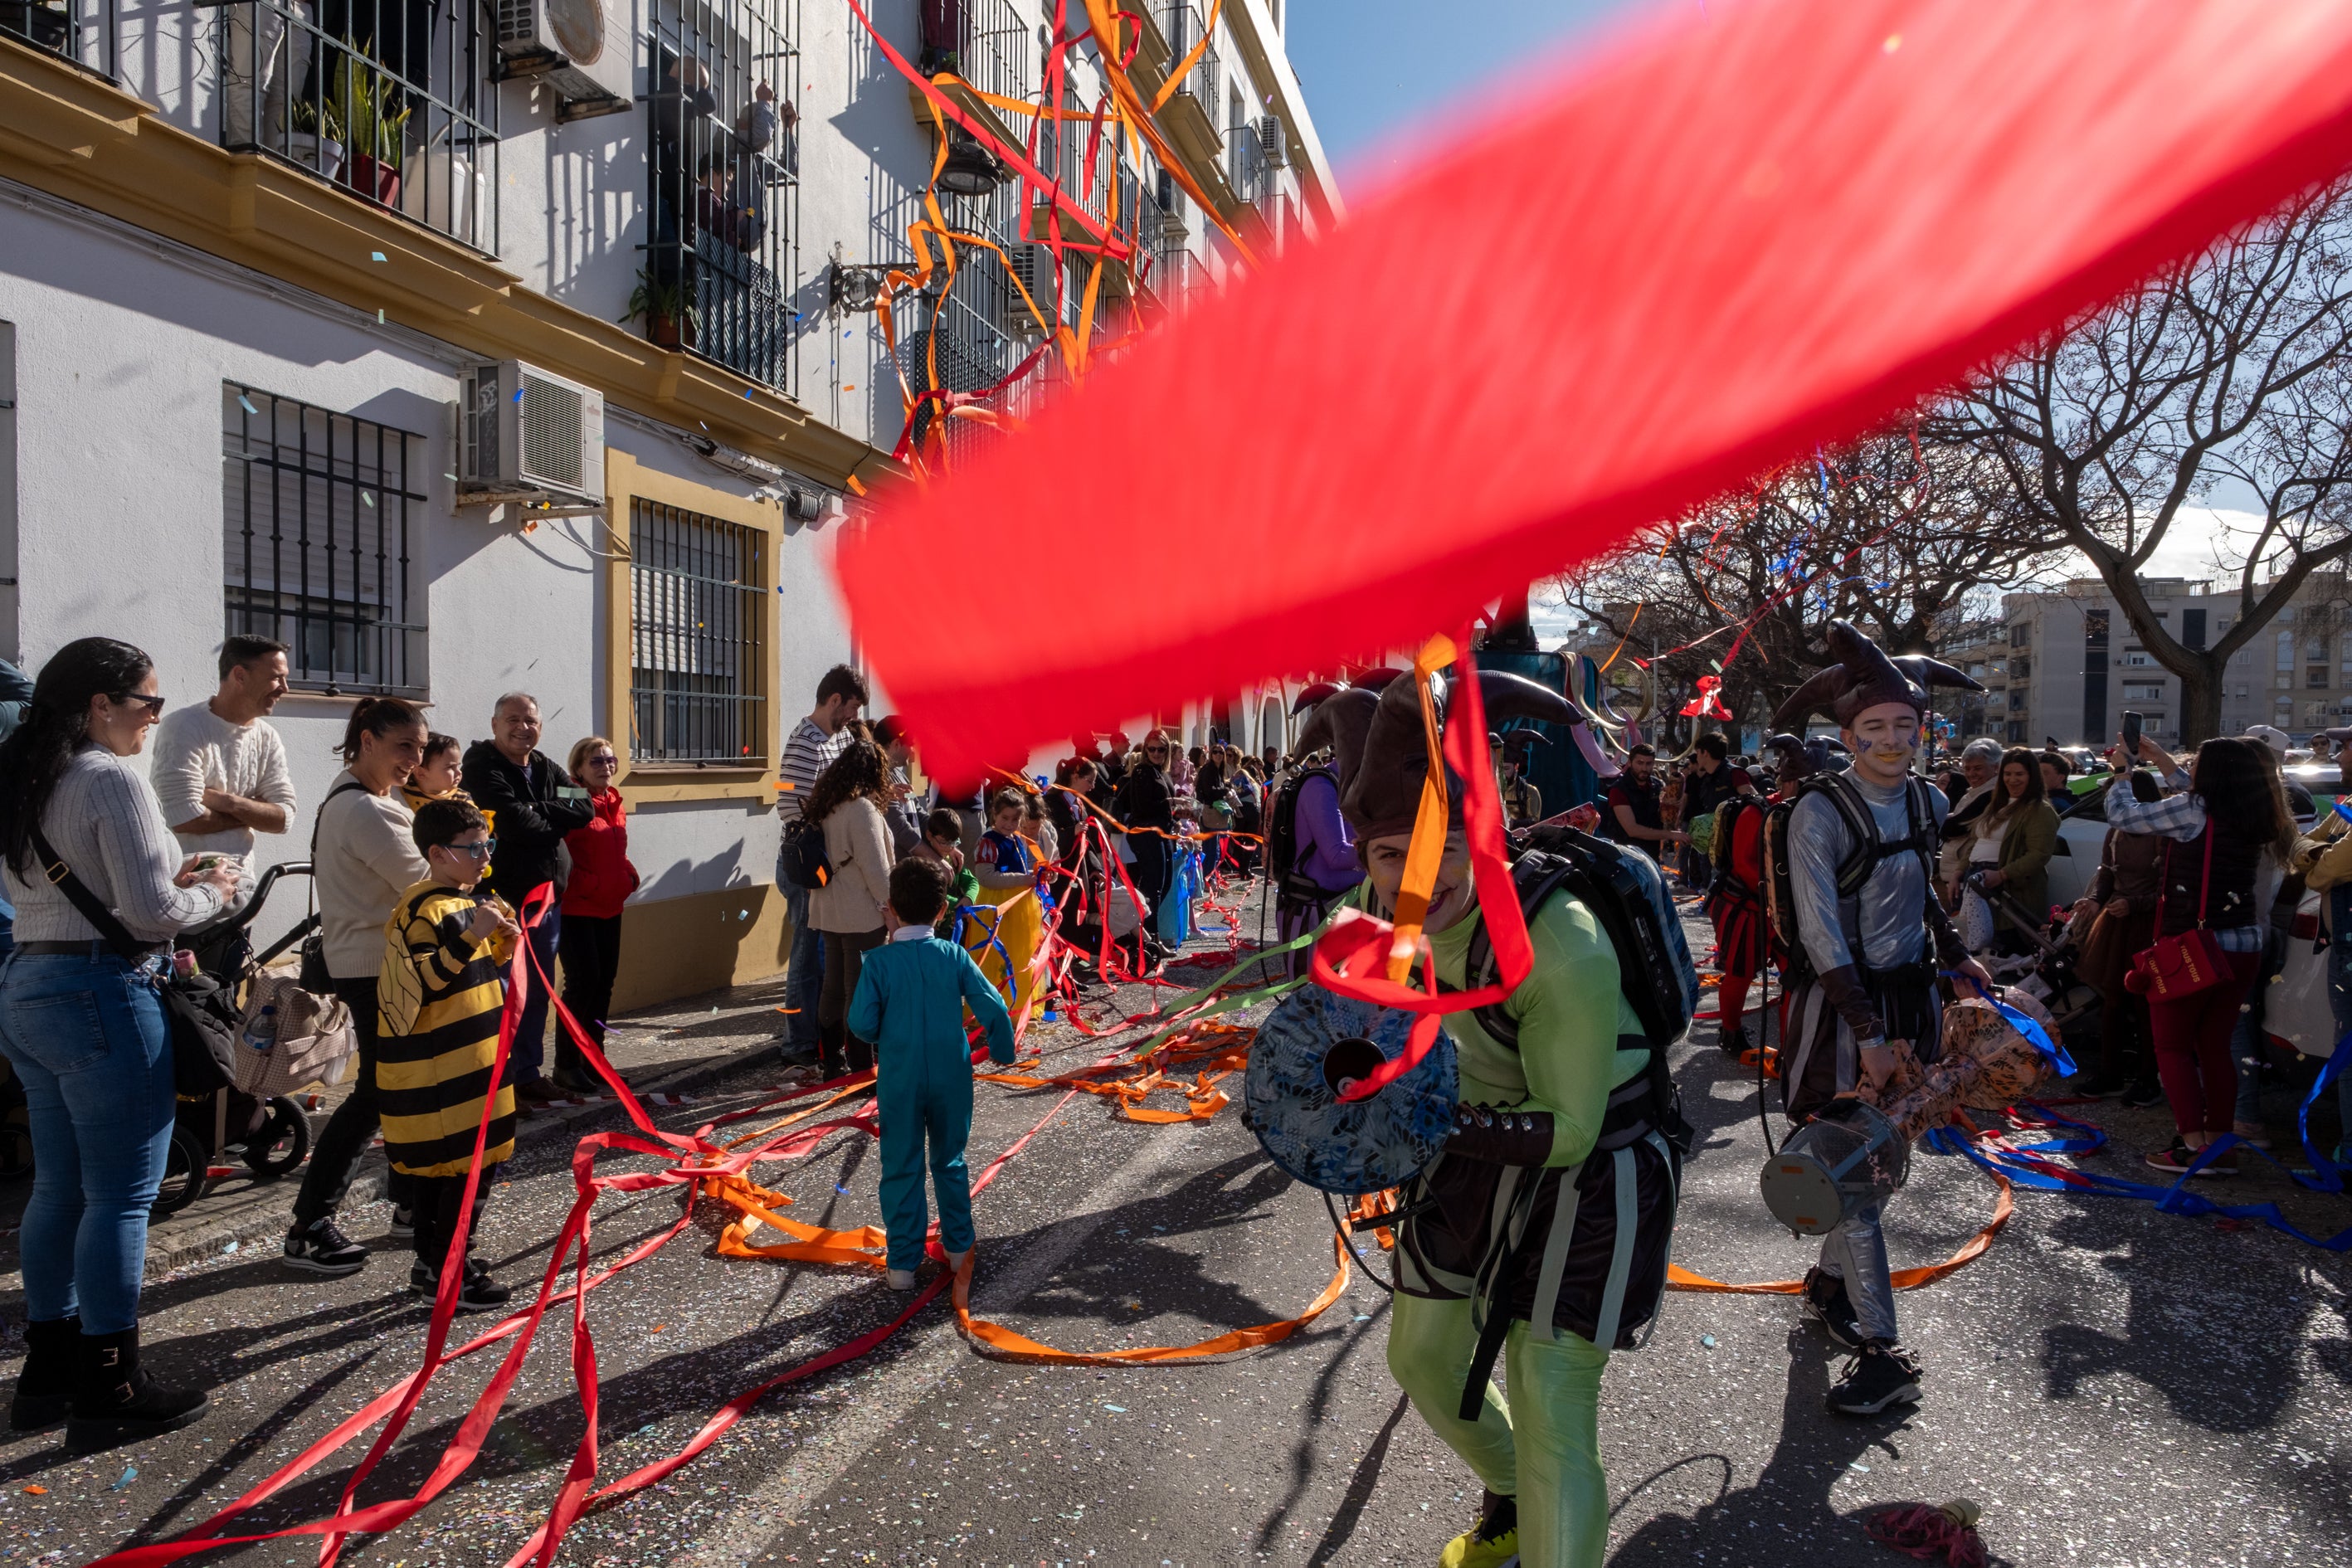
{"points": [[670, 1049]]}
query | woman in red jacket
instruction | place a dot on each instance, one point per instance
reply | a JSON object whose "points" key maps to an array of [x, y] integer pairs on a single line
{"points": [[602, 881]]}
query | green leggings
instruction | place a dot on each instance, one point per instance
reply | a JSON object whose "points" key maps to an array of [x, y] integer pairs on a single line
{"points": [[1552, 1426]]}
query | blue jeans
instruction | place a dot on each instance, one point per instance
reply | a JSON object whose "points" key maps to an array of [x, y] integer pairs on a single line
{"points": [[804, 980], [87, 1039], [529, 1057], [2340, 998]]}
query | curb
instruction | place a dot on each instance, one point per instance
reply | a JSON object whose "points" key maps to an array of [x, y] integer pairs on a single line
{"points": [[259, 1213]]}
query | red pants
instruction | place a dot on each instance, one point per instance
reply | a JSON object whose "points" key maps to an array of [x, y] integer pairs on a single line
{"points": [[2192, 1048]]}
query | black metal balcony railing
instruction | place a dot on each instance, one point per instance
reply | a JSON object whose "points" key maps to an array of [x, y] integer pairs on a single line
{"points": [[392, 100], [988, 42], [1183, 23], [79, 32], [724, 185]]}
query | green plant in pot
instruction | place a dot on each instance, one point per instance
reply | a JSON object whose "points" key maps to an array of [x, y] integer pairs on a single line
{"points": [[315, 137], [671, 320], [377, 132]]}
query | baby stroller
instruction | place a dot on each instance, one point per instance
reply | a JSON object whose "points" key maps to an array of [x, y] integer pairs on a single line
{"points": [[269, 1132], [2050, 972]]}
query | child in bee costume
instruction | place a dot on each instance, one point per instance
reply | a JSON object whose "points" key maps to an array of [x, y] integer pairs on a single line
{"points": [[1540, 1234], [1852, 882]]}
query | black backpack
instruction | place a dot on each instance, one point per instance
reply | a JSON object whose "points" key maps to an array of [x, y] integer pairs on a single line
{"points": [[805, 859], [1282, 824], [1729, 813], [1860, 861]]}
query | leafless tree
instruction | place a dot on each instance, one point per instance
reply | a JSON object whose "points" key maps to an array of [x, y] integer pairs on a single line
{"points": [[2231, 369], [1891, 534]]}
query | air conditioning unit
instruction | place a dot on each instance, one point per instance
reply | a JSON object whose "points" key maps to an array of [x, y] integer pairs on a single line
{"points": [[1273, 141], [1033, 267], [523, 434], [586, 49]]}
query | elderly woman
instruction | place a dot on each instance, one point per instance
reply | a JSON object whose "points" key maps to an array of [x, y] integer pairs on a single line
{"points": [[1979, 762]]}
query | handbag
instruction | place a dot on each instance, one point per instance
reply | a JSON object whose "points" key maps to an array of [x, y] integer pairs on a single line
{"points": [[200, 1011], [311, 1037], [2179, 966]]}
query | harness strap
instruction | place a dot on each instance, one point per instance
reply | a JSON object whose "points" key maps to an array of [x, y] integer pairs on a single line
{"points": [[1674, 1205], [1621, 1255], [1555, 1259]]}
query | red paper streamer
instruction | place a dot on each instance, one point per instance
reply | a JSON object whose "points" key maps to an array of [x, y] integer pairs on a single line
{"points": [[1756, 232]]}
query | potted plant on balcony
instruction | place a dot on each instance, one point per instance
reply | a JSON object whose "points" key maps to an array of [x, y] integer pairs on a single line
{"points": [[376, 133], [670, 321], [314, 138]]}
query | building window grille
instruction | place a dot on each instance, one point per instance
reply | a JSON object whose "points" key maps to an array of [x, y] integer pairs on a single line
{"points": [[2316, 677], [79, 32], [724, 170], [987, 43], [698, 638], [395, 100], [319, 509], [965, 339], [1183, 23]]}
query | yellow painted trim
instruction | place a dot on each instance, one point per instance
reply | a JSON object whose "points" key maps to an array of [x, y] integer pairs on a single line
{"points": [[679, 947], [81, 140], [641, 784]]}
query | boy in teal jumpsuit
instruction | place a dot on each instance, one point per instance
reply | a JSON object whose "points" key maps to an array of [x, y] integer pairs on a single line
{"points": [[911, 1000]]}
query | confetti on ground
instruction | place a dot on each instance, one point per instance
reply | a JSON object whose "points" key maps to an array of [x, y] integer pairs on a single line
{"points": [[38, 1490], [130, 1474], [1120, 1409]]}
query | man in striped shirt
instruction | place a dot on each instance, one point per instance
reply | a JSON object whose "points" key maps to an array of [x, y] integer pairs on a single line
{"points": [[814, 743]]}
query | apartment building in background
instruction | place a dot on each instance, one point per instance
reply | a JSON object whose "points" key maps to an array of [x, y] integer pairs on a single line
{"points": [[549, 345], [2063, 665]]}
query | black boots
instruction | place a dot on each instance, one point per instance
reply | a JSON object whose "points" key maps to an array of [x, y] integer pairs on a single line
{"points": [[115, 1402], [45, 1387]]}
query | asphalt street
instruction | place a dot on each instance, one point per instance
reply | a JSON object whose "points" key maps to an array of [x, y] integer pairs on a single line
{"points": [[2114, 1385]]}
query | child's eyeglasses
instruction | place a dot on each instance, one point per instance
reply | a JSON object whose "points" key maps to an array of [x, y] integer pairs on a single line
{"points": [[481, 851]]}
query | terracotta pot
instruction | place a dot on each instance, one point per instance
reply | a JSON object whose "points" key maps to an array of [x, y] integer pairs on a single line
{"points": [[377, 180], [670, 333]]}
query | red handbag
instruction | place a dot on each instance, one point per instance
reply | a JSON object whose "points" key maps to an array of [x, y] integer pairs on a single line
{"points": [[2182, 965]]}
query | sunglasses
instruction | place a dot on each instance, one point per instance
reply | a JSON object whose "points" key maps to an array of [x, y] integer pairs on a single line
{"points": [[481, 851], [154, 705], [1155, 751]]}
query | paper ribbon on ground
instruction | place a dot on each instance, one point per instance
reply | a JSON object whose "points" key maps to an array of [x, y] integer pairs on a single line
{"points": [[1759, 226]]}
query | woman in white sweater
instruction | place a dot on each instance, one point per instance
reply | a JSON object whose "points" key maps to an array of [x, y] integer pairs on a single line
{"points": [[848, 802], [81, 1020], [364, 858]]}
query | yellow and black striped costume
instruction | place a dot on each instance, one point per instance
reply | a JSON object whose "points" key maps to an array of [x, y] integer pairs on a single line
{"points": [[439, 998]]}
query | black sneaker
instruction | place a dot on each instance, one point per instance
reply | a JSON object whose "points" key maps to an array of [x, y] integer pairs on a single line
{"points": [[479, 1293], [1827, 1303], [2096, 1085], [1732, 1042], [404, 1223], [322, 1248], [1881, 1373], [2144, 1096]]}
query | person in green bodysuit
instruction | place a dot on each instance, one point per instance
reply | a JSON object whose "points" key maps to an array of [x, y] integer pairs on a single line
{"points": [[1576, 1105]]}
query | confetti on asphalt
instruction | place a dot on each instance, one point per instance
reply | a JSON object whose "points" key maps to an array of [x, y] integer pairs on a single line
{"points": [[130, 1474], [1707, 1339], [38, 1490], [1120, 1409]]}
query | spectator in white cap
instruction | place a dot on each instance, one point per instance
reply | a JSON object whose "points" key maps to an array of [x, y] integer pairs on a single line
{"points": [[2276, 740]]}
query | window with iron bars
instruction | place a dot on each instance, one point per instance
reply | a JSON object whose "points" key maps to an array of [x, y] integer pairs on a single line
{"points": [[392, 100], [698, 638], [972, 336], [1183, 24], [79, 32], [320, 511], [724, 172]]}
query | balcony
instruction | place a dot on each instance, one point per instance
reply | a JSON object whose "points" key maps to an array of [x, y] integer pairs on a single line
{"points": [[397, 105], [724, 199], [988, 42], [79, 32]]}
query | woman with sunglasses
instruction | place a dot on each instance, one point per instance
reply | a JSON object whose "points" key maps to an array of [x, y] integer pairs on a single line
{"points": [[1148, 805], [82, 1024]]}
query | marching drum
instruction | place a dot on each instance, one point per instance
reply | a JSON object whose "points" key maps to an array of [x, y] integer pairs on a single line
{"points": [[1316, 1044]]}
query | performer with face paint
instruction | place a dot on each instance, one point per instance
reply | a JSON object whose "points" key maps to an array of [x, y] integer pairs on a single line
{"points": [[1871, 934], [1542, 1229]]}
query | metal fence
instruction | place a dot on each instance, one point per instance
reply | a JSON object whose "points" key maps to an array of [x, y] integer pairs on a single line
{"points": [[698, 638], [1183, 24], [79, 32], [991, 44], [392, 100], [725, 185], [317, 508]]}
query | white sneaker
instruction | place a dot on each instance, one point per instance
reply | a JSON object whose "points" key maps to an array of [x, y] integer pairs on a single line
{"points": [[902, 1278]]}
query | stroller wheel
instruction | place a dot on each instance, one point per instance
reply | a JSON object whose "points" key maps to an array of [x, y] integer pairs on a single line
{"points": [[281, 1141], [184, 1165]]}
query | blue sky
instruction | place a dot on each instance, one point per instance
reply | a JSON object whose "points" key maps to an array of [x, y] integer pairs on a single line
{"points": [[1373, 67]]}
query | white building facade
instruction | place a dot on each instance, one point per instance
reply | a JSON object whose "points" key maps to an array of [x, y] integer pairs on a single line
{"points": [[251, 254]]}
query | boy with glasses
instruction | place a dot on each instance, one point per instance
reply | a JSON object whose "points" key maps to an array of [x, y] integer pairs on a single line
{"points": [[439, 999]]}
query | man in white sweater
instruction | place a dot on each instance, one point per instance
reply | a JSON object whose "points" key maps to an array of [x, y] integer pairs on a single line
{"points": [[219, 767]]}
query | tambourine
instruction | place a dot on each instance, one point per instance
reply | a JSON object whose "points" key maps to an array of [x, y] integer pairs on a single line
{"points": [[1314, 1046]]}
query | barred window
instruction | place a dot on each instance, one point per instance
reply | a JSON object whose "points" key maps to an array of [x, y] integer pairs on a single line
{"points": [[698, 645], [317, 510]]}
